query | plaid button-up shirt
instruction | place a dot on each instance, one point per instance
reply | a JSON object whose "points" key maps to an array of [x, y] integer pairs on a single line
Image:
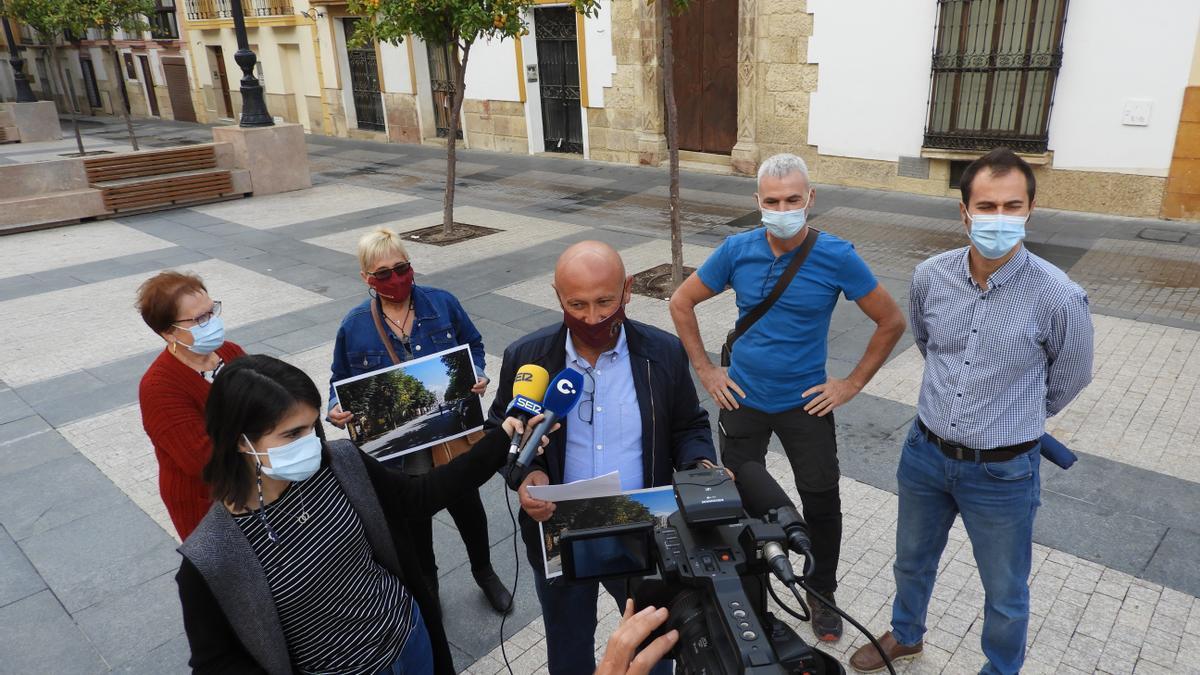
{"points": [[998, 360]]}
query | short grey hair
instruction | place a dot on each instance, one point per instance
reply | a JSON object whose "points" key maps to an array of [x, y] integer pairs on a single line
{"points": [[783, 164]]}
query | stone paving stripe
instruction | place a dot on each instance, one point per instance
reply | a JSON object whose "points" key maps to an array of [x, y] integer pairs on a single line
{"points": [[36, 632], [26, 357], [20, 580]]}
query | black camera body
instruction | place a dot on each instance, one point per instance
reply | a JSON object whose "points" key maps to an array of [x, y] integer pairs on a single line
{"points": [[713, 576]]}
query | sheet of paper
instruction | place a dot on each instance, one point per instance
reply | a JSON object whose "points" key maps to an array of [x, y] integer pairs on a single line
{"points": [[600, 486]]}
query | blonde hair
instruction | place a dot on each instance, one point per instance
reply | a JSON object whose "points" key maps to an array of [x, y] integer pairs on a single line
{"points": [[378, 244]]}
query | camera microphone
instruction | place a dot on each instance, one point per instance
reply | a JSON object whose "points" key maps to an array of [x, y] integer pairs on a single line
{"points": [[761, 494]]}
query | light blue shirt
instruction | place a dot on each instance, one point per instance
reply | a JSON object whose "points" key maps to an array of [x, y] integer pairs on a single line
{"points": [[998, 360], [612, 441]]}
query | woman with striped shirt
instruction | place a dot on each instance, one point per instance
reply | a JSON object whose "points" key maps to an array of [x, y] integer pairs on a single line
{"points": [[304, 564]]}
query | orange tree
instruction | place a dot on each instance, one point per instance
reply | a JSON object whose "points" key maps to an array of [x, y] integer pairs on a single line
{"points": [[458, 24]]}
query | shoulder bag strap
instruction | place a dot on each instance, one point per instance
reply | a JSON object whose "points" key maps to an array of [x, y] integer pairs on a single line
{"points": [[383, 334], [757, 313]]}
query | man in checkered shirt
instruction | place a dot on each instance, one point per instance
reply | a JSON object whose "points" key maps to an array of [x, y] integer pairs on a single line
{"points": [[1007, 340]]}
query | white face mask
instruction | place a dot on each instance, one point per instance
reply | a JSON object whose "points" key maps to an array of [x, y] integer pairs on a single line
{"points": [[995, 234], [785, 224], [296, 461]]}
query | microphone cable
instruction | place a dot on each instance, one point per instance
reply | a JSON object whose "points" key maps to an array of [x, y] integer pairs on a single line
{"points": [[796, 585], [806, 616], [516, 577]]}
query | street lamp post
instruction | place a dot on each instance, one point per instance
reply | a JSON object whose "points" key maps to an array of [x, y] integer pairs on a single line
{"points": [[254, 105], [24, 93]]}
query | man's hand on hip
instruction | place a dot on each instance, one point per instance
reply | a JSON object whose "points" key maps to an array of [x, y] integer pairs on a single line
{"points": [[830, 395], [717, 383], [537, 509]]}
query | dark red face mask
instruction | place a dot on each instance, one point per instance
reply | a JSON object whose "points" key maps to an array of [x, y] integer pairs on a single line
{"points": [[596, 335], [396, 288]]}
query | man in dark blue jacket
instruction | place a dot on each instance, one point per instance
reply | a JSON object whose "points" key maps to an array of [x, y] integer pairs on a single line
{"points": [[639, 415]]}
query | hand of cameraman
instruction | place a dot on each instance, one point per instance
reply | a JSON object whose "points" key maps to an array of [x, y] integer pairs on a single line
{"points": [[538, 509], [619, 658]]}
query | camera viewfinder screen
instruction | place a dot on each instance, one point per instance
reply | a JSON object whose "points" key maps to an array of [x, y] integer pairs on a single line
{"points": [[617, 555]]}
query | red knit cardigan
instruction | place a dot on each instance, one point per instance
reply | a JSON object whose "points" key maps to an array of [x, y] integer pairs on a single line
{"points": [[172, 398]]}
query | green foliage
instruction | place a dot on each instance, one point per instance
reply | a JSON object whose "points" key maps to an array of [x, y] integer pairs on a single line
{"points": [[386, 401], [459, 22], [49, 18], [462, 376], [113, 15]]}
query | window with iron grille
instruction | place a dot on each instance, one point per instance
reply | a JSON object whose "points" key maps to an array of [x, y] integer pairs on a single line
{"points": [[162, 21], [995, 63]]}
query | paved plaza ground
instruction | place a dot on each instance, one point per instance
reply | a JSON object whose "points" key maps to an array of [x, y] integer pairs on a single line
{"points": [[87, 554]]}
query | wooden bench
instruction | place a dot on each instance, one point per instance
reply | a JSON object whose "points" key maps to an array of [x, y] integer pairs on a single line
{"points": [[156, 178]]}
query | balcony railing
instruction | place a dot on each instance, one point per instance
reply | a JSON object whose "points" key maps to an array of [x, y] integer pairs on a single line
{"points": [[199, 10]]}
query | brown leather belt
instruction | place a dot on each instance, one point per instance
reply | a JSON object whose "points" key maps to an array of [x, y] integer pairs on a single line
{"points": [[963, 453]]}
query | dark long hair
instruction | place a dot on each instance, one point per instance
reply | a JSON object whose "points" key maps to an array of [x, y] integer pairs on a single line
{"points": [[249, 396]]}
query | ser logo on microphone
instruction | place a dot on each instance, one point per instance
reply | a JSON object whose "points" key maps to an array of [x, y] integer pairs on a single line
{"points": [[531, 407], [523, 377], [565, 387]]}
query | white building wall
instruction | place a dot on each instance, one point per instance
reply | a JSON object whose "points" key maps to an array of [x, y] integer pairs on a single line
{"points": [[492, 71], [873, 76], [601, 61], [1114, 51], [873, 80], [393, 59]]}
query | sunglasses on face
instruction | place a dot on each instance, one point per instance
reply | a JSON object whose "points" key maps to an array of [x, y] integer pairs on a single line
{"points": [[386, 273]]}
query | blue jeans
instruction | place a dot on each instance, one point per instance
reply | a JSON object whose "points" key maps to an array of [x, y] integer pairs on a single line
{"points": [[997, 501], [569, 617], [417, 656]]}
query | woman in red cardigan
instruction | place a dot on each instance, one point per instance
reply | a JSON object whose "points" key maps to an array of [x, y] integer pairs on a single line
{"points": [[175, 388]]}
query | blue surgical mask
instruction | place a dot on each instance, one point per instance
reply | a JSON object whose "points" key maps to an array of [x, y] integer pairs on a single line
{"points": [[296, 461], [995, 234], [784, 224], [207, 338]]}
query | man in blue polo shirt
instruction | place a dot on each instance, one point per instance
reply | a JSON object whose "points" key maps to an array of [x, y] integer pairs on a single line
{"points": [[776, 382]]}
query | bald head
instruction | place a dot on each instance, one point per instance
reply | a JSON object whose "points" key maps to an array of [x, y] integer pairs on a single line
{"points": [[590, 280], [591, 259]]}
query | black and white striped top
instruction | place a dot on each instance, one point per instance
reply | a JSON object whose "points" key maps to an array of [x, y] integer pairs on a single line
{"points": [[342, 612]]}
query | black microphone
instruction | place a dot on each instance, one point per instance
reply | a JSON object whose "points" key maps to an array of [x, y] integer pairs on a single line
{"points": [[564, 392], [762, 494]]}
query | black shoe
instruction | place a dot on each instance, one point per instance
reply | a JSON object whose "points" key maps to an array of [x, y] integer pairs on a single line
{"points": [[826, 623], [495, 592]]}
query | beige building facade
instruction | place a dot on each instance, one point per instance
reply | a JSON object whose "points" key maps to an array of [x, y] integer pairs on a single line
{"points": [[1102, 97]]}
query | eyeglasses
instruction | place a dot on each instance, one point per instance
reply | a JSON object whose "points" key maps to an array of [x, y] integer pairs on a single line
{"points": [[589, 399], [203, 319], [385, 274]]}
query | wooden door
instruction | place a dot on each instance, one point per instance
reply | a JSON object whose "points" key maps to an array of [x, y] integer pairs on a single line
{"points": [[179, 88], [705, 50], [221, 80], [148, 79]]}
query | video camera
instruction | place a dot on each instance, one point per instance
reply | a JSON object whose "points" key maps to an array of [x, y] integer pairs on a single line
{"points": [[713, 560]]}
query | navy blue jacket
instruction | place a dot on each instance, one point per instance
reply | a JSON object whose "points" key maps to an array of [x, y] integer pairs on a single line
{"points": [[675, 429], [440, 323]]}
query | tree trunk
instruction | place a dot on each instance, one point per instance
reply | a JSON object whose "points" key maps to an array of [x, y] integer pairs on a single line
{"points": [[70, 100], [460, 91], [112, 49], [668, 66]]}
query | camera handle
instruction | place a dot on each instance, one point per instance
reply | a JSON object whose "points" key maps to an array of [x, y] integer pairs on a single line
{"points": [[795, 586]]}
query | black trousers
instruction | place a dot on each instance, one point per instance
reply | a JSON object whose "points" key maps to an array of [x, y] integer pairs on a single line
{"points": [[810, 443], [471, 521]]}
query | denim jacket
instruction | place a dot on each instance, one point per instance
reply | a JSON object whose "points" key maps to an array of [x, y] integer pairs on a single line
{"points": [[440, 323]]}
